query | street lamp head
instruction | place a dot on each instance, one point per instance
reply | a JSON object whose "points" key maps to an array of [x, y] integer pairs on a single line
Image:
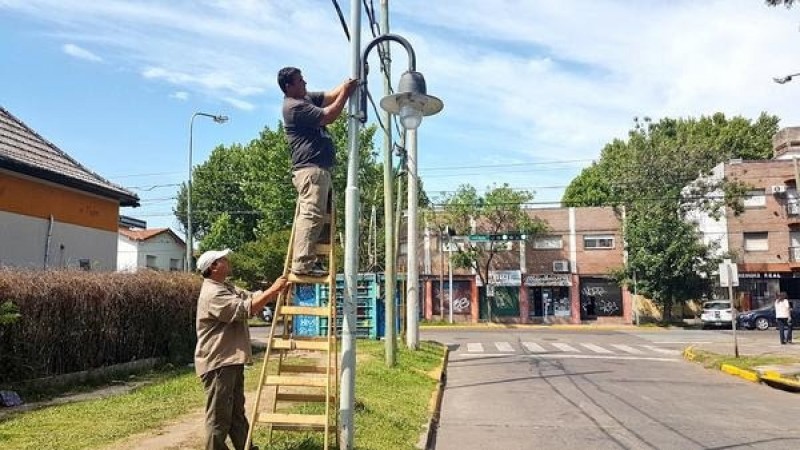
{"points": [[411, 102], [220, 119]]}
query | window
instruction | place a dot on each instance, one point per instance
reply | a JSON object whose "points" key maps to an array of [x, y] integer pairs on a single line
{"points": [[85, 264], [754, 199], [598, 241], [151, 262], [174, 264], [756, 242], [547, 243]]}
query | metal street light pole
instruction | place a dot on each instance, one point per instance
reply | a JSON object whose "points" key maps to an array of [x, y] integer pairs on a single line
{"points": [[411, 103], [189, 245]]}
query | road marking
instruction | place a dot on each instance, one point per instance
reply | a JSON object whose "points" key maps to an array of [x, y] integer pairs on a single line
{"points": [[666, 351], [476, 347], [565, 356], [564, 347], [533, 347], [504, 346], [628, 349], [597, 348], [682, 342]]}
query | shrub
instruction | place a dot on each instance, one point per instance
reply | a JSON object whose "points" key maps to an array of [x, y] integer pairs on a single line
{"points": [[75, 320]]}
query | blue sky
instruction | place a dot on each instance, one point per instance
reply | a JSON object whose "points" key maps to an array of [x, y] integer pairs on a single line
{"points": [[532, 89]]}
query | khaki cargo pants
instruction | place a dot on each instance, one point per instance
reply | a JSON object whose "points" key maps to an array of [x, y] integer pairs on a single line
{"points": [[225, 415], [313, 186]]}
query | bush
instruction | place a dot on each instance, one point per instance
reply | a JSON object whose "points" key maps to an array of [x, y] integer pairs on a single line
{"points": [[72, 320]]}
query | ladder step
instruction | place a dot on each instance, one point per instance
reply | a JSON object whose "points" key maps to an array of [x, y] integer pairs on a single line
{"points": [[317, 421], [319, 311], [286, 368], [322, 249], [300, 344], [308, 279], [283, 380], [304, 398]]}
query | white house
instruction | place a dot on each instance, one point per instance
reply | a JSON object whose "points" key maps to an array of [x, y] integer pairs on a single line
{"points": [[157, 248]]}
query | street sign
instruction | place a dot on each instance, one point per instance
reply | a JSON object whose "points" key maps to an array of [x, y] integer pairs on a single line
{"points": [[728, 272], [497, 237]]}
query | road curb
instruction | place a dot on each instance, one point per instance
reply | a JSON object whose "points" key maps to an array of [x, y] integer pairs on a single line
{"points": [[436, 402], [770, 378]]}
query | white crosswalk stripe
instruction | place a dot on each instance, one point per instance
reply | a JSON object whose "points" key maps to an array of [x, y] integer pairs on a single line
{"points": [[628, 349], [597, 348], [475, 347], [564, 347], [533, 347], [665, 351], [504, 347], [555, 348]]}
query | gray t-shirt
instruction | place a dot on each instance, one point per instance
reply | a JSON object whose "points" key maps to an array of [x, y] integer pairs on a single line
{"points": [[310, 142]]}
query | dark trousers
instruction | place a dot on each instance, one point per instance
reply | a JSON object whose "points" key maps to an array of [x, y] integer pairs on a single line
{"points": [[784, 330], [225, 407]]}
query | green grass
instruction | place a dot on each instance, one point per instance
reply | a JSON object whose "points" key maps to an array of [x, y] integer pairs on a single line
{"points": [[715, 361], [391, 408]]}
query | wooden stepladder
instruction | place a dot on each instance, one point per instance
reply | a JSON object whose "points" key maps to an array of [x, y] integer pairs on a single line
{"points": [[316, 384]]}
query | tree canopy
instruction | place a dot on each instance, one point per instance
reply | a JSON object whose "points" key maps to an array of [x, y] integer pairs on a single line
{"points": [[243, 198], [499, 210], [649, 173]]}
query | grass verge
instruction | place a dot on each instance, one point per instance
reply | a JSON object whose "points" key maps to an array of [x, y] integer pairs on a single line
{"points": [[715, 361], [391, 408]]}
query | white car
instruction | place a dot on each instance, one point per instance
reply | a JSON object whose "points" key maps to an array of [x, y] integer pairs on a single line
{"points": [[717, 313]]}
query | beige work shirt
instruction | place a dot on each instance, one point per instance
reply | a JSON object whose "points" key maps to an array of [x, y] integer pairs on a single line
{"points": [[223, 335]]}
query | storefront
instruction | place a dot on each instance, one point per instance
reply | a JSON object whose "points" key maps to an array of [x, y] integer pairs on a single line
{"points": [[549, 297], [500, 299], [600, 297], [757, 289]]}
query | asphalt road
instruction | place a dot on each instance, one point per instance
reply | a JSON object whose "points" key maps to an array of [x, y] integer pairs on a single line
{"points": [[575, 389]]}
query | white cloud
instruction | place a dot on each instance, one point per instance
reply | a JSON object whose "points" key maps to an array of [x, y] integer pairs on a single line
{"points": [[240, 104], [180, 95], [80, 53]]}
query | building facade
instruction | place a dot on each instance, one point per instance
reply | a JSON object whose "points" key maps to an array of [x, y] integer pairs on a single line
{"points": [[54, 212], [560, 276], [764, 240], [156, 249]]}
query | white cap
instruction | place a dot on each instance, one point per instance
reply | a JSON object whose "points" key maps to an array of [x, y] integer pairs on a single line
{"points": [[207, 259]]}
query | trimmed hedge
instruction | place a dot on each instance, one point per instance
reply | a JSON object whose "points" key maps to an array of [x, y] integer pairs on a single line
{"points": [[74, 320]]}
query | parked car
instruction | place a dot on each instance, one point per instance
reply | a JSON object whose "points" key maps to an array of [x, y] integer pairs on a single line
{"points": [[763, 318], [717, 313], [267, 313]]}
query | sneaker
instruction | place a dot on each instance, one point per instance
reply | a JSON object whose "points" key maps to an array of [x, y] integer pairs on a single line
{"points": [[312, 272]]}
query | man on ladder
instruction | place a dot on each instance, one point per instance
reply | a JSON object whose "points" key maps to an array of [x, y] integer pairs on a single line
{"points": [[305, 116]]}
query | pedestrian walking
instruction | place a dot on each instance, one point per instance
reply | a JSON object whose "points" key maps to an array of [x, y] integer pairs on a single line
{"points": [[223, 348], [783, 316], [305, 116]]}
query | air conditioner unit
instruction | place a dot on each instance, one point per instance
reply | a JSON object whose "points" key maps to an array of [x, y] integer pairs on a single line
{"points": [[777, 189], [561, 265]]}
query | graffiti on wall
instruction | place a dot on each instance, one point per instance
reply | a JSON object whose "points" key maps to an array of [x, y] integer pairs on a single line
{"points": [[462, 292], [600, 298]]}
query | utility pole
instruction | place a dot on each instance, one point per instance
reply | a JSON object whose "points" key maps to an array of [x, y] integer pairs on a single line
{"points": [[412, 286], [441, 273], [390, 278], [351, 207], [450, 273]]}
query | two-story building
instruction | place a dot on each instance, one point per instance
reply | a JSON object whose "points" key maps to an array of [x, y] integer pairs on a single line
{"points": [[764, 240], [561, 276]]}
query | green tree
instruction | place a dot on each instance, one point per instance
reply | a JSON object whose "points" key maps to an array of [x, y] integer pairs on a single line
{"points": [[499, 210], [787, 3], [244, 194], [654, 175]]}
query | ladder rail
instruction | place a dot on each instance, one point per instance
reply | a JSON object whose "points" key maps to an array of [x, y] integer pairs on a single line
{"points": [[285, 311]]}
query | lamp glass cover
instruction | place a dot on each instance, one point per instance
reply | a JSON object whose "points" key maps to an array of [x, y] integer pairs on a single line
{"points": [[410, 116]]}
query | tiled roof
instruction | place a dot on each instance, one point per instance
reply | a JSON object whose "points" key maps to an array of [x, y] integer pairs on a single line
{"points": [[143, 235], [24, 151]]}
